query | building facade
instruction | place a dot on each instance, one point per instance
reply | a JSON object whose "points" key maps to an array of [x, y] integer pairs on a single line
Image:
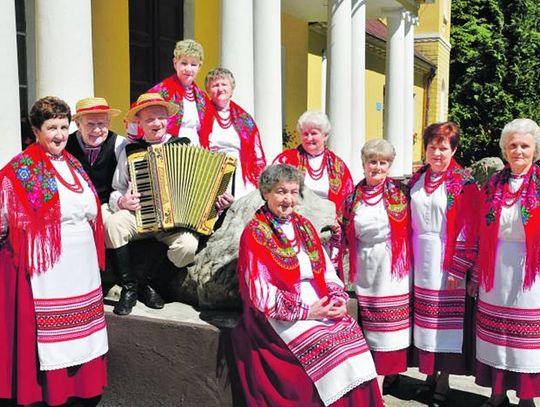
{"points": [[379, 68]]}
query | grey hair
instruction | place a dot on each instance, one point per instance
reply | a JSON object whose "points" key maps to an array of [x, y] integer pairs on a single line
{"points": [[277, 173], [378, 148], [521, 126], [315, 119], [219, 73]]}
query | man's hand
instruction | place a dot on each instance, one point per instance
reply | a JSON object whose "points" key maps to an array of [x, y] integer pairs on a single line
{"points": [[129, 200], [224, 201]]}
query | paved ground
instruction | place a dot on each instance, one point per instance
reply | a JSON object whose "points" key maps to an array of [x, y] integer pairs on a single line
{"points": [[464, 393]]}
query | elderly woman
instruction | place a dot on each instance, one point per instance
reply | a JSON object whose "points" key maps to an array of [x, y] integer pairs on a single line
{"points": [[443, 197], [508, 316], [180, 88], [324, 172], [376, 223], [53, 336], [295, 345], [234, 132]]}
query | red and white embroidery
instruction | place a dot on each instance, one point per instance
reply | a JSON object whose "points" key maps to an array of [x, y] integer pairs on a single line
{"points": [[434, 309], [64, 319], [322, 348], [505, 326], [385, 314]]}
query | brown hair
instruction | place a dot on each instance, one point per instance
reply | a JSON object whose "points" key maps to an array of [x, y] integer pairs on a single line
{"points": [[442, 131], [49, 107]]}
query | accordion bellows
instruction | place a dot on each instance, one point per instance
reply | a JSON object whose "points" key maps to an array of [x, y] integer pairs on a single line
{"points": [[179, 185]]}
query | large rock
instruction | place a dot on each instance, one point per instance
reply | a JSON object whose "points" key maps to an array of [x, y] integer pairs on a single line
{"points": [[483, 169], [211, 282]]}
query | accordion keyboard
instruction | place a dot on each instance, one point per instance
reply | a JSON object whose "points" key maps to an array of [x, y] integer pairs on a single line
{"points": [[142, 184]]}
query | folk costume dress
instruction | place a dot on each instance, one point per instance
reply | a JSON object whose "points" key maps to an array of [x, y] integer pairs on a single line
{"points": [[53, 336], [508, 316], [444, 239], [235, 133], [192, 116], [284, 359], [326, 174], [376, 224]]}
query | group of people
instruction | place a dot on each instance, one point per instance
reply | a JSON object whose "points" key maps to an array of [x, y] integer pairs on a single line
{"points": [[418, 255]]}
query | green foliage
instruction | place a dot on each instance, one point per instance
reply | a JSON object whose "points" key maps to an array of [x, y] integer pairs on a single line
{"points": [[494, 70]]}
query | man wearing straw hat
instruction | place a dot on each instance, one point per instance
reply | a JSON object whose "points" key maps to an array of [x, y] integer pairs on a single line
{"points": [[98, 149], [95, 146], [150, 113]]}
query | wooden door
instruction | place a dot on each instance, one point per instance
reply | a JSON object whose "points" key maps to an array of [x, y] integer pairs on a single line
{"points": [[154, 28]]}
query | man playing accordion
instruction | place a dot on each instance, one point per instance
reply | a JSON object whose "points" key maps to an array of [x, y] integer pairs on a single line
{"points": [[150, 112]]}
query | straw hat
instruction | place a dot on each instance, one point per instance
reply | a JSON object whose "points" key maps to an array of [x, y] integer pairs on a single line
{"points": [[150, 99], [93, 105]]}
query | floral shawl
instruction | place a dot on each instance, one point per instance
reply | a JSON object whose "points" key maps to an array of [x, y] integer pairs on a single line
{"points": [[339, 178], [395, 203], [33, 210], [489, 225], [461, 244], [252, 157], [265, 251]]}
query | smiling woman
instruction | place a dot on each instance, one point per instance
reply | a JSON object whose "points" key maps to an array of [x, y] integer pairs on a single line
{"points": [[325, 173], [444, 218], [508, 316], [50, 219], [296, 344]]}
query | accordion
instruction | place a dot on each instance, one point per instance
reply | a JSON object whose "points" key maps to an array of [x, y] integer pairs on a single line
{"points": [[179, 185]]}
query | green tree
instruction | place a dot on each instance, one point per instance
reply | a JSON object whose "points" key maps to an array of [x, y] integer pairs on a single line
{"points": [[494, 70]]}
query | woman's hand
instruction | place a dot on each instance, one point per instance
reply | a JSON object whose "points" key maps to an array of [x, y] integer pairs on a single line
{"points": [[130, 200], [335, 309], [472, 289], [452, 283]]}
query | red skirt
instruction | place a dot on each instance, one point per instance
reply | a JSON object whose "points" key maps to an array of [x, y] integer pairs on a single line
{"points": [[390, 363], [20, 377], [270, 375], [526, 385]]}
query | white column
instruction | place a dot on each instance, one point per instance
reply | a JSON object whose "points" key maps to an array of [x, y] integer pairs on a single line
{"points": [[358, 102], [338, 96], [10, 125], [237, 48], [324, 73], [393, 108], [408, 95], [64, 62], [267, 52]]}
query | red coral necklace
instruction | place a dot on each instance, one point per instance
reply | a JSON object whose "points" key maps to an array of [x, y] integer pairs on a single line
{"points": [[76, 186], [316, 173], [432, 181], [224, 122], [373, 194]]}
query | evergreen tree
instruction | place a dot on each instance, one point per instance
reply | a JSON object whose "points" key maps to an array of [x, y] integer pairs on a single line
{"points": [[494, 70]]}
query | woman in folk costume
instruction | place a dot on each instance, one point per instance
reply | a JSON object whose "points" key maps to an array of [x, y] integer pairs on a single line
{"points": [[376, 223], [295, 344], [181, 90], [324, 172], [234, 132], [443, 201], [53, 336], [508, 315]]}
